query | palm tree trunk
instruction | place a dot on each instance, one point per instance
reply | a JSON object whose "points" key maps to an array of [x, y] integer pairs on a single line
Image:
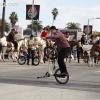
{"points": [[53, 22]]}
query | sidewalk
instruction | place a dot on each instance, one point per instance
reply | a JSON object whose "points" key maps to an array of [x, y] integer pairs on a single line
{"points": [[22, 92]]}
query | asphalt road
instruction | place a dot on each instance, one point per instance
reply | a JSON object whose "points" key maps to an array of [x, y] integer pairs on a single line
{"points": [[82, 77]]}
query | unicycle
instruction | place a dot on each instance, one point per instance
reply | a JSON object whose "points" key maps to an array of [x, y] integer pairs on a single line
{"points": [[62, 79]]}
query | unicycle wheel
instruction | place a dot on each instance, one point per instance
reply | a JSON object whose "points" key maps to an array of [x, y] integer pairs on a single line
{"points": [[62, 79]]}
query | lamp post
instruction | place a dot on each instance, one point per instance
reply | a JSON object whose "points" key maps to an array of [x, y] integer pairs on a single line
{"points": [[32, 14], [90, 20], [3, 17]]}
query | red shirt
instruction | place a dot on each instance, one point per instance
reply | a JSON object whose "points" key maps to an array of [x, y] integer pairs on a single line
{"points": [[44, 34], [67, 36], [60, 40]]}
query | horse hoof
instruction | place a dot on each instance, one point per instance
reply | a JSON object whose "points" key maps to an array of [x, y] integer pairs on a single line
{"points": [[41, 62], [89, 65]]}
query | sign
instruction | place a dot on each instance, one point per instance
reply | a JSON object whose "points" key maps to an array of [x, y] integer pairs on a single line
{"points": [[19, 30], [20, 33], [35, 13], [87, 29]]}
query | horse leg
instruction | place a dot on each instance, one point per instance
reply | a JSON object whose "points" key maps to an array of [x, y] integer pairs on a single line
{"points": [[49, 68], [89, 62], [13, 57], [0, 56], [41, 56], [92, 59], [14, 54], [3, 57]]}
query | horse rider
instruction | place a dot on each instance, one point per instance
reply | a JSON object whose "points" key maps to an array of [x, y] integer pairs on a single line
{"points": [[13, 38], [45, 34], [67, 35], [31, 49], [83, 39], [91, 40], [63, 48]]}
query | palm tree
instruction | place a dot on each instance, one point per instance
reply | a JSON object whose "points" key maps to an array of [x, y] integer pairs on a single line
{"points": [[13, 19], [71, 25], [54, 13], [37, 25], [6, 25]]}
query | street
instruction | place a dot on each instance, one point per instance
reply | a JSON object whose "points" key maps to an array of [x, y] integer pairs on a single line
{"points": [[21, 81]]}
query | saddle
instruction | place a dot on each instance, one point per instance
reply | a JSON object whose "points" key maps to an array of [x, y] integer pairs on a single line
{"points": [[9, 44], [9, 47]]}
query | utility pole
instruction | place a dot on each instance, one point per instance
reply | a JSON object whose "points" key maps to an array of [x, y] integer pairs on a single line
{"points": [[32, 14], [3, 17]]}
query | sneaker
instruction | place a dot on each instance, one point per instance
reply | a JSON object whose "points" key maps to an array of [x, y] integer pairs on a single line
{"points": [[62, 75], [28, 64]]}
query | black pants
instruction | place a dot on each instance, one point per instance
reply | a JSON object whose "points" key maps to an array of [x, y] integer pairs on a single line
{"points": [[15, 44], [61, 55], [30, 54]]}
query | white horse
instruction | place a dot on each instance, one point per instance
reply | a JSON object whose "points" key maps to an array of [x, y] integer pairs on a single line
{"points": [[4, 48], [41, 45], [87, 48]]}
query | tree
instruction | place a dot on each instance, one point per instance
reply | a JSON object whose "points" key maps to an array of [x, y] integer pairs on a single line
{"points": [[6, 25], [13, 19], [27, 31], [54, 13], [37, 25], [71, 25]]}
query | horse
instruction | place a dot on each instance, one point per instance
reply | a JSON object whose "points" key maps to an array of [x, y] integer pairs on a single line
{"points": [[41, 45], [87, 48], [72, 45], [7, 47], [95, 52]]}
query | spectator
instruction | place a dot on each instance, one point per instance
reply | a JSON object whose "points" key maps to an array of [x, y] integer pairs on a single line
{"points": [[68, 37]]}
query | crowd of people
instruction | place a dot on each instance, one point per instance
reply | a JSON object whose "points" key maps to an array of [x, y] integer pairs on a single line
{"points": [[92, 40]]}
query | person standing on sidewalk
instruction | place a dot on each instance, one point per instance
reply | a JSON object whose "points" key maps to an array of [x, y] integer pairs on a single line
{"points": [[63, 48]]}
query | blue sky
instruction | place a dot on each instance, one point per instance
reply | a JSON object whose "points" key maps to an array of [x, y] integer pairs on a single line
{"points": [[78, 11]]}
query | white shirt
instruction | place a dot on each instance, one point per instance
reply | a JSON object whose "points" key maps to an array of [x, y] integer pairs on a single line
{"points": [[89, 41], [32, 43], [96, 39]]}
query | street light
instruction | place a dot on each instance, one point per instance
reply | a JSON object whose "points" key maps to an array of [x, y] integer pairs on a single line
{"points": [[3, 17], [88, 25], [91, 19]]}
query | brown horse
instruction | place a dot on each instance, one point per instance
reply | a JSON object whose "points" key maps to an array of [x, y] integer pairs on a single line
{"points": [[72, 45], [95, 52]]}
